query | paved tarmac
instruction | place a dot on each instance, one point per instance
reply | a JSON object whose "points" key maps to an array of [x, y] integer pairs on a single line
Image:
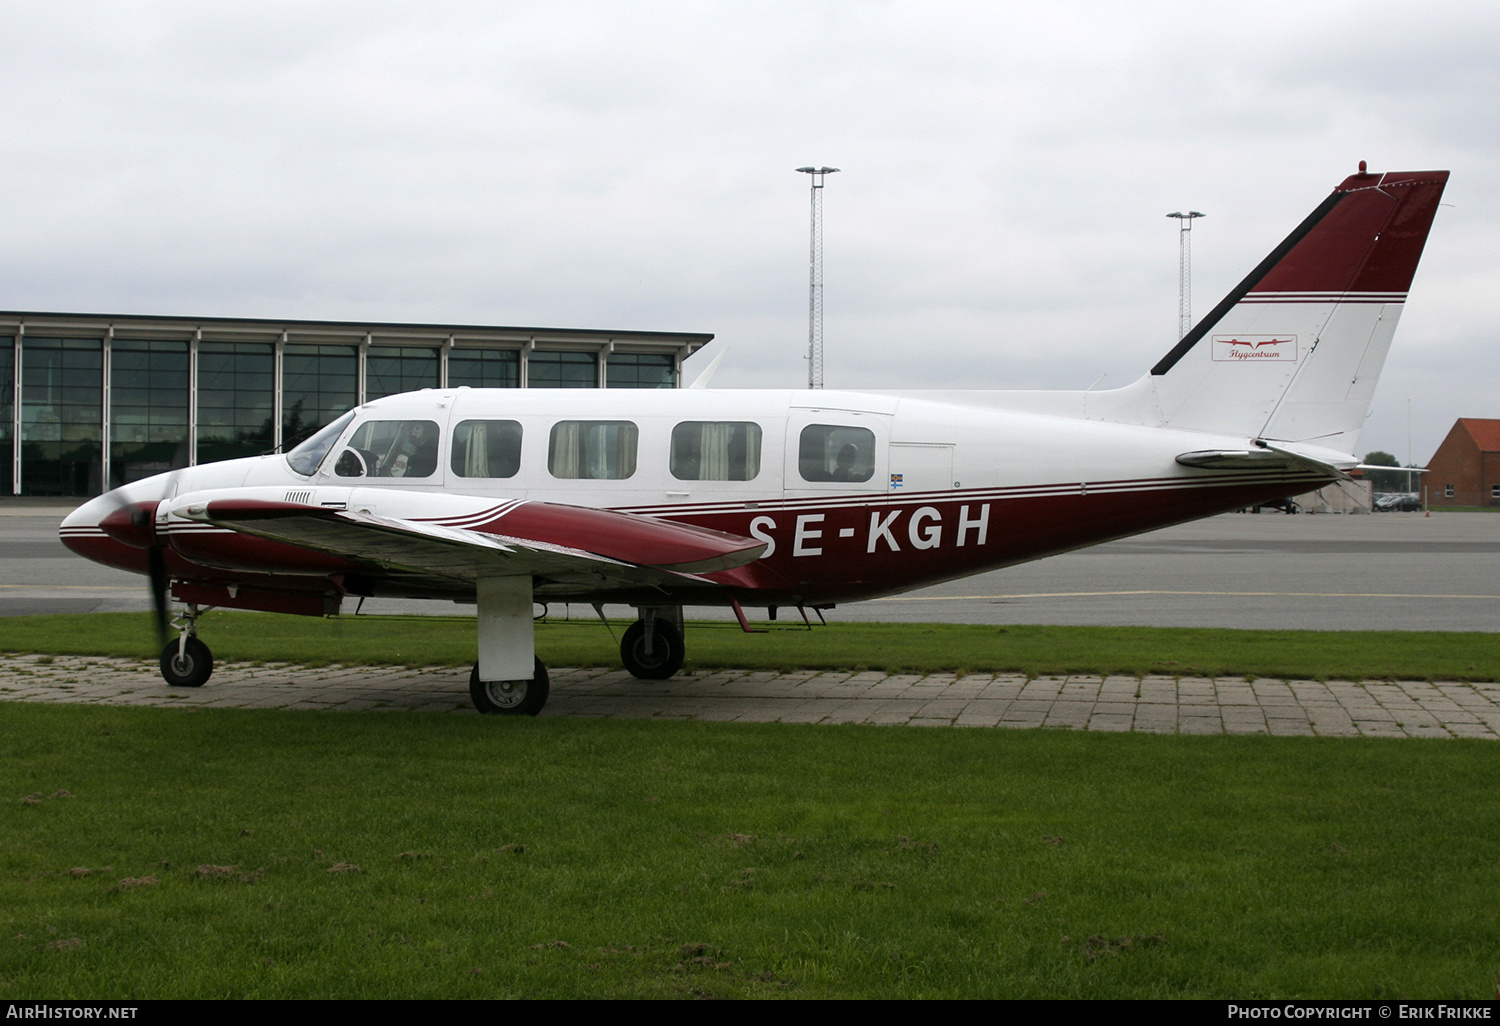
{"points": [[1162, 705], [1387, 571]]}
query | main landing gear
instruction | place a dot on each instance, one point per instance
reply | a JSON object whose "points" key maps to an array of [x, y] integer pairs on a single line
{"points": [[652, 648], [187, 662], [507, 649], [510, 697]]}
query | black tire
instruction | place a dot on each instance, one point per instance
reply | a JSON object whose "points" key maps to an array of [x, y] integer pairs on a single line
{"points": [[191, 669], [509, 697], [667, 650]]}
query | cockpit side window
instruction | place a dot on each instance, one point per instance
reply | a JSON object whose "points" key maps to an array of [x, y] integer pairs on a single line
{"points": [[390, 448], [487, 448], [304, 459], [829, 452]]}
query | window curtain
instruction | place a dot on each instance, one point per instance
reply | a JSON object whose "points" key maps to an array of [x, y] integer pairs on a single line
{"points": [[716, 438], [477, 460], [565, 449]]}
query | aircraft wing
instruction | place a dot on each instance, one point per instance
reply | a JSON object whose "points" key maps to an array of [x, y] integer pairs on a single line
{"points": [[554, 543]]}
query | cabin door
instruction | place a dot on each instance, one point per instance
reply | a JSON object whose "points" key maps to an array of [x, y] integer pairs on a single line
{"points": [[835, 452]]}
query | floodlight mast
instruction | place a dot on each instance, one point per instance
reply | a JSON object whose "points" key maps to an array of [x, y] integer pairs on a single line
{"points": [[815, 279], [1185, 270]]}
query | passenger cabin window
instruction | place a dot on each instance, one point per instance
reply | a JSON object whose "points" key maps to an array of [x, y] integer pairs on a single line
{"points": [[832, 453], [487, 448], [705, 450], [390, 448], [593, 449]]}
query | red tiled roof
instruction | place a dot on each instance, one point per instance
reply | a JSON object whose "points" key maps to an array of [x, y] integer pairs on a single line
{"points": [[1486, 433]]}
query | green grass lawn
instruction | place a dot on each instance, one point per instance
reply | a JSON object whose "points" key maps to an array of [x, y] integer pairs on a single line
{"points": [[421, 641], [150, 853]]}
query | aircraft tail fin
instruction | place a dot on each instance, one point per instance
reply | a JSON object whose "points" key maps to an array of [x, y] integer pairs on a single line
{"points": [[1293, 353]]}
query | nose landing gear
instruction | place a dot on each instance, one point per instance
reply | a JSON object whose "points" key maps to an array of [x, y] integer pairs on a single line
{"points": [[186, 662]]}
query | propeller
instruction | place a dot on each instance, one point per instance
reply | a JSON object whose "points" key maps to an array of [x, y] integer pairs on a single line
{"points": [[156, 566], [134, 524]]}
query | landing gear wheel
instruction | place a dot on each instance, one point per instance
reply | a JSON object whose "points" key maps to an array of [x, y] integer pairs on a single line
{"points": [[188, 669], [667, 650], [509, 697]]}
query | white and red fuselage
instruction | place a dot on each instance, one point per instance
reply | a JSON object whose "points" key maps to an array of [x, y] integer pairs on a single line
{"points": [[953, 489]]}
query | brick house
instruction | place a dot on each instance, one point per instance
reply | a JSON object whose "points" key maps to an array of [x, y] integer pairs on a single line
{"points": [[1465, 471]]}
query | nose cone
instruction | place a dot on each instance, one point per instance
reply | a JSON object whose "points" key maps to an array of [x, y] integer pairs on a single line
{"points": [[132, 524]]}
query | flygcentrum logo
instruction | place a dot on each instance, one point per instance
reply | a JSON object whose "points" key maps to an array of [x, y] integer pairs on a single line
{"points": [[1231, 348]]}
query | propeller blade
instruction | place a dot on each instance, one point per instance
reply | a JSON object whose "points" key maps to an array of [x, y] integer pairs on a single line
{"points": [[157, 564], [134, 523]]}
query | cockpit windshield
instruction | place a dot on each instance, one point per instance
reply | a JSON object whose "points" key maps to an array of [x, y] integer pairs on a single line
{"points": [[305, 458]]}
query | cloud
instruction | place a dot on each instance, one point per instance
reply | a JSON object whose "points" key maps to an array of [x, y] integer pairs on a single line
{"points": [[998, 218]]}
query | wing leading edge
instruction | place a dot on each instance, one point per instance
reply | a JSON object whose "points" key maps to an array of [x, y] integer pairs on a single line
{"points": [[636, 551]]}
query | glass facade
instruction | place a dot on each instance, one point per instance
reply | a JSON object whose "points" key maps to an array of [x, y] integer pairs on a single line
{"points": [[148, 409], [640, 370], [562, 370], [391, 370], [7, 408], [236, 397], [91, 402], [484, 368], [62, 426], [317, 384]]}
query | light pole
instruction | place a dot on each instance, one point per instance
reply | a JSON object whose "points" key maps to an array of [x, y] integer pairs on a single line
{"points": [[1184, 270], [815, 279]]}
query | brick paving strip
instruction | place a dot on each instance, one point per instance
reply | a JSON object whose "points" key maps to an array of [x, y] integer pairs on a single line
{"points": [[1186, 705]]}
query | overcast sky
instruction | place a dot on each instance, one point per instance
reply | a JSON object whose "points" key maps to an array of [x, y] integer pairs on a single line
{"points": [[998, 220]]}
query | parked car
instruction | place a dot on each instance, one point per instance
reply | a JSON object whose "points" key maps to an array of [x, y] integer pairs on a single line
{"points": [[1286, 505], [1398, 502]]}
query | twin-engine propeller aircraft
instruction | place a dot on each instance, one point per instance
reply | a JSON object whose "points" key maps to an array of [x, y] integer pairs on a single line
{"points": [[666, 499]]}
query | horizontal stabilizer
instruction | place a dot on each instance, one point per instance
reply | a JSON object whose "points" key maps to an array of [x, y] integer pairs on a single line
{"points": [[1238, 459], [1269, 456]]}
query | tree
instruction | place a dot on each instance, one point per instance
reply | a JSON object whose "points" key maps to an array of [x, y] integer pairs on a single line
{"points": [[1384, 480]]}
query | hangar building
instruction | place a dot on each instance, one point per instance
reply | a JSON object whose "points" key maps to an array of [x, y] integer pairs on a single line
{"points": [[1465, 471], [97, 400]]}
